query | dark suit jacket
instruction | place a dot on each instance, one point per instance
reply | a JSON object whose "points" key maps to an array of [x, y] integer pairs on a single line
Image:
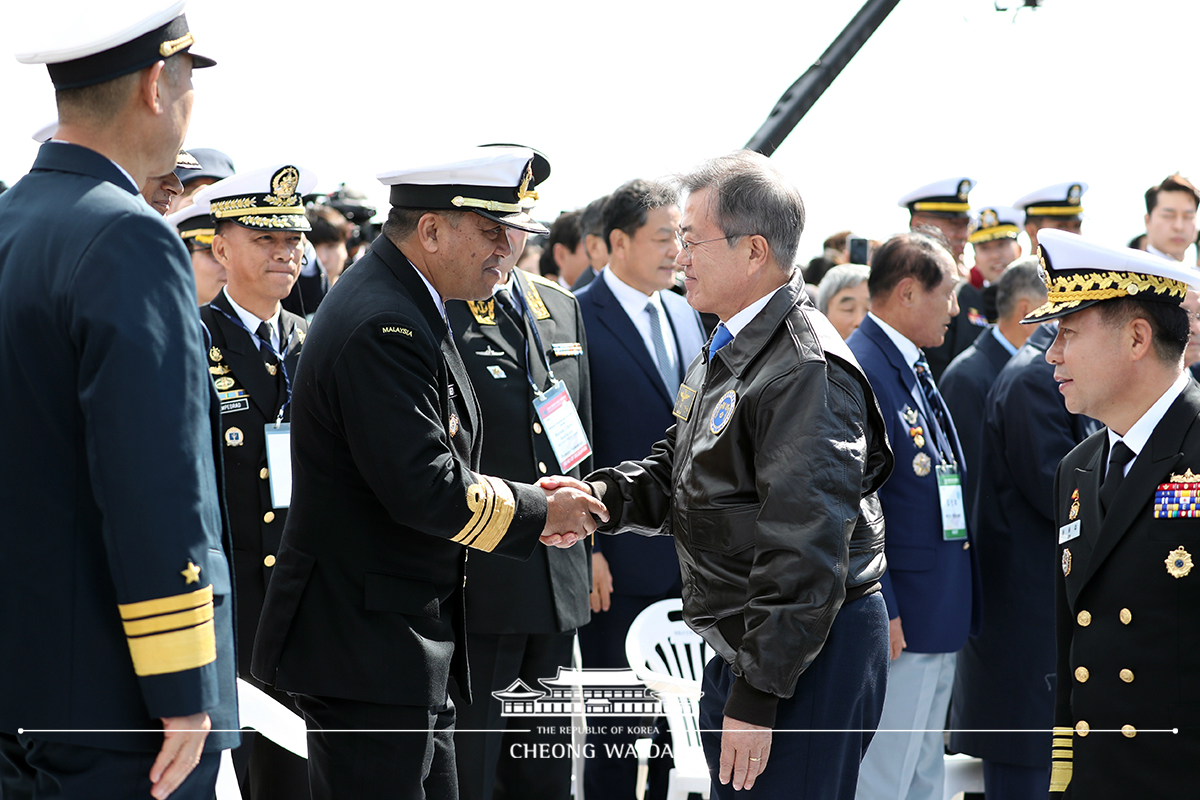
{"points": [[1134, 658], [970, 321], [1005, 674], [250, 399], [554, 582], [631, 410], [110, 486], [366, 601], [931, 584], [965, 386]]}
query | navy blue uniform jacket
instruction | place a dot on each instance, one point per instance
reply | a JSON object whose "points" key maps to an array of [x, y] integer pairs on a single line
{"points": [[109, 486], [931, 584], [366, 602]]}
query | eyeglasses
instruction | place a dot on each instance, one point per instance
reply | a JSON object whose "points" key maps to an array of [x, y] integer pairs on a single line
{"points": [[687, 246]]}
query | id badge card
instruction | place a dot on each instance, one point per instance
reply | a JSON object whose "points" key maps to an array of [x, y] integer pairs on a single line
{"points": [[561, 422], [954, 517], [279, 463]]}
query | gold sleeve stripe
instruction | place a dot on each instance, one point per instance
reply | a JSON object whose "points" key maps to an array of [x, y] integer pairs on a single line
{"points": [[1060, 776], [175, 651], [492, 506], [1061, 754], [169, 622], [167, 605]]}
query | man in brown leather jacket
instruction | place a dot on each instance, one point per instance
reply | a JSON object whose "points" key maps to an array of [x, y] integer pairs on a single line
{"points": [[767, 481]]}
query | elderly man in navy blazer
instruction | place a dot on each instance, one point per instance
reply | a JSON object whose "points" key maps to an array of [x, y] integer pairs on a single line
{"points": [[930, 585], [641, 340]]}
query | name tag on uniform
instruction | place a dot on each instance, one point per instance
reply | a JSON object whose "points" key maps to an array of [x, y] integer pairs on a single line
{"points": [[563, 428], [279, 463], [954, 518], [1068, 532]]}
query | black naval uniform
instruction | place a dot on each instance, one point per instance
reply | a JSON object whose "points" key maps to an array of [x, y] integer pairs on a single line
{"points": [[970, 321], [365, 607], [1127, 607], [531, 634], [114, 579], [251, 397]]}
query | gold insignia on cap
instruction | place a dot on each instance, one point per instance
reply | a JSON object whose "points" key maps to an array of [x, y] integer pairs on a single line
{"points": [[1074, 505], [527, 197], [1068, 291], [214, 353], [191, 574], [1187, 477], [168, 49], [1179, 562], [922, 464], [283, 187], [1066, 561], [484, 311], [988, 219], [1074, 193], [963, 188], [492, 506]]}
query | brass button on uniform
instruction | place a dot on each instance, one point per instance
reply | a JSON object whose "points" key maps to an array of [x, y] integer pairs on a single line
{"points": [[1127, 675], [1126, 616], [269, 561], [269, 516], [1129, 731], [1082, 728], [1084, 618], [537, 427], [966, 545], [262, 473], [542, 467], [1082, 674]]}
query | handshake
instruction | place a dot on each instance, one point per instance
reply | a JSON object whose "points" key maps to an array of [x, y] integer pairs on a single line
{"points": [[570, 509]]}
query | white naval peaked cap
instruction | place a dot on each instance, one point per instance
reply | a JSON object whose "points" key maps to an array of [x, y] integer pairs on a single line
{"points": [[947, 196], [91, 42], [1079, 273], [1055, 200], [996, 222], [194, 222], [493, 181], [271, 198]]}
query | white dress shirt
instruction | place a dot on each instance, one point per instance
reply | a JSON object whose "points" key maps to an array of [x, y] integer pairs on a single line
{"points": [[634, 302], [1139, 433]]}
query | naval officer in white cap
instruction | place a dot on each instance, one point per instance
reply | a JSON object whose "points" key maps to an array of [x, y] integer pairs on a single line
{"points": [[117, 622], [943, 205], [364, 616], [1058, 206]]}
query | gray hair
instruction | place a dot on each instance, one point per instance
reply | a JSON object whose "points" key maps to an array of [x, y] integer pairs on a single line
{"points": [[843, 276], [751, 197], [1019, 280]]}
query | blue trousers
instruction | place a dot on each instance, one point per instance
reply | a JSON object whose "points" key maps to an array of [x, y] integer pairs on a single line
{"points": [[841, 692]]}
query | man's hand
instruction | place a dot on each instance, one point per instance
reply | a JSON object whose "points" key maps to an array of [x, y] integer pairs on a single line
{"points": [[183, 743], [602, 583], [896, 638], [745, 749], [552, 482], [569, 513]]}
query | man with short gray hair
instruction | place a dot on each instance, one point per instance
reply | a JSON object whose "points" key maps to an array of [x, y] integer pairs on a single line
{"points": [[767, 482]]}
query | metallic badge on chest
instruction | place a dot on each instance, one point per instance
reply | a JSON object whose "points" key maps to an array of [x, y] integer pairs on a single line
{"points": [[224, 383], [909, 414], [922, 464], [1179, 562], [234, 437], [1074, 505], [214, 353], [453, 424], [1066, 561]]}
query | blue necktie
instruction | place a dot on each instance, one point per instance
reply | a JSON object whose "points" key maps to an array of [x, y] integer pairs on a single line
{"points": [[933, 397], [721, 338]]}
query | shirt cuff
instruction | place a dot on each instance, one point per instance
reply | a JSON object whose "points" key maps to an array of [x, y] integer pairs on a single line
{"points": [[751, 705]]}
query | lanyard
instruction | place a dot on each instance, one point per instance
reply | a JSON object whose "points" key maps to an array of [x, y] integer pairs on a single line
{"points": [[287, 381], [515, 291]]}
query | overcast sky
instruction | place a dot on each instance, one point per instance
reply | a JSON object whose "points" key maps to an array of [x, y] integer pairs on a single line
{"points": [[1099, 91]]}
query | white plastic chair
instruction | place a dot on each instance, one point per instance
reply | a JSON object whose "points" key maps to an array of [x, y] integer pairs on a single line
{"points": [[964, 775], [265, 714], [669, 657]]}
